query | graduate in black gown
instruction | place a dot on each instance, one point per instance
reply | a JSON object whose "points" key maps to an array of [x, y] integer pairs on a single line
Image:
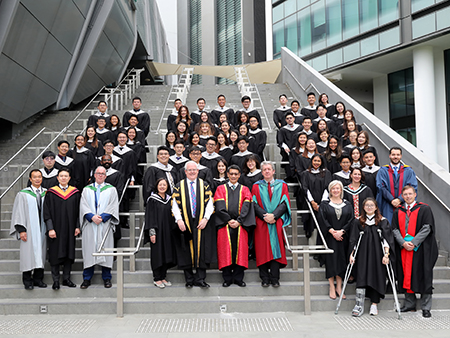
{"points": [[93, 143], [303, 162], [84, 163], [178, 160], [370, 270], [338, 116], [139, 150], [315, 181], [310, 109], [115, 128], [363, 145], [140, 135], [204, 173], [63, 159], [117, 162], [142, 116], [332, 155], [113, 176], [171, 118], [159, 226], [297, 151], [102, 132], [323, 143], [223, 147], [356, 192], [323, 99], [370, 170], [259, 138], [251, 171], [171, 138], [221, 109], [246, 102], [102, 111], [239, 157], [344, 174], [336, 216], [286, 139], [209, 157], [221, 175], [279, 113], [49, 172]]}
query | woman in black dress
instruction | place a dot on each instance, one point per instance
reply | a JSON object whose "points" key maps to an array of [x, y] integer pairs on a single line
{"points": [[356, 156], [84, 163], [251, 171], [356, 192], [158, 226], [223, 147], [363, 144], [323, 143], [323, 99], [115, 128], [171, 138], [139, 150], [93, 143], [182, 132], [336, 216], [332, 155], [221, 177], [371, 258]]}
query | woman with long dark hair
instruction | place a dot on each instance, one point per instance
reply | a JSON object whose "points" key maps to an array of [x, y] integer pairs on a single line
{"points": [[84, 163], [223, 147], [251, 171], [356, 192], [363, 144], [93, 143], [332, 155], [372, 256]]}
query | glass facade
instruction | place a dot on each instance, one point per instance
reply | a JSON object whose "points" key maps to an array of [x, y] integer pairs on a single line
{"points": [[401, 103], [447, 91], [431, 23], [306, 26], [196, 36]]}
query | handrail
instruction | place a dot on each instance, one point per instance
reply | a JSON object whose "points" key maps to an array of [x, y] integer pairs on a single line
{"points": [[262, 106], [164, 110], [417, 177], [20, 150], [29, 166]]}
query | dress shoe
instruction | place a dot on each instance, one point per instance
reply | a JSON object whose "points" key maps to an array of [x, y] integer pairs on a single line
{"points": [[29, 287], [189, 285], [40, 284], [86, 283], [55, 286], [69, 283], [265, 284], [202, 284], [276, 284], [225, 284], [240, 283], [426, 313], [107, 283], [408, 309]]}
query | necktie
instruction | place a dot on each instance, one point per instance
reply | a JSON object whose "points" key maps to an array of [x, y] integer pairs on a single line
{"points": [[172, 183], [233, 187], [193, 200], [178, 158], [97, 198], [270, 190], [408, 211], [39, 199], [395, 172], [370, 168], [121, 148]]}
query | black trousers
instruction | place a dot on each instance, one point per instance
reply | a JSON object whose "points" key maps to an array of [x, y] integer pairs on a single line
{"points": [[67, 268], [160, 273], [233, 273], [198, 277], [32, 276], [270, 271], [373, 295]]}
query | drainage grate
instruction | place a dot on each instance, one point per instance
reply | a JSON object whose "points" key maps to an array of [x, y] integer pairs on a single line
{"points": [[408, 322], [38, 326], [272, 324]]}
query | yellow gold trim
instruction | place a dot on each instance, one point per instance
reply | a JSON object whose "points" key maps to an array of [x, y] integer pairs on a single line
{"points": [[202, 211], [229, 242], [240, 197], [186, 218], [237, 248], [226, 198]]}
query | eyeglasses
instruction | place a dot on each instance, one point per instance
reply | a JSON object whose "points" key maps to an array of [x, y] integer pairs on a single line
{"points": [[370, 205]]}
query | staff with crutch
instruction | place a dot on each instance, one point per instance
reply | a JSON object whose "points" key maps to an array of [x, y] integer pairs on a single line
{"points": [[372, 257]]}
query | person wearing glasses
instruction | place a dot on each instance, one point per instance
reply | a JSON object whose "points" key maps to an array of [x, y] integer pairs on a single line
{"points": [[99, 215], [49, 172]]}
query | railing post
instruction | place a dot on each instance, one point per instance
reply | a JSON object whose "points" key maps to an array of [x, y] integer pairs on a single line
{"points": [[132, 223], [294, 240], [306, 284], [119, 284]]}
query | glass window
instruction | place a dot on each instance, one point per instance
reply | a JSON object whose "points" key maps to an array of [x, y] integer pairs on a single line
{"points": [[320, 63], [417, 5], [388, 11], [290, 29], [302, 3], [351, 52], [290, 7], [351, 18], [389, 38], [319, 25], [334, 58], [369, 15], [424, 25], [401, 95], [278, 37], [334, 22], [369, 45], [442, 20], [278, 13], [304, 34]]}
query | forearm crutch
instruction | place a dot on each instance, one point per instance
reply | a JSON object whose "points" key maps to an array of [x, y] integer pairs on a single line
{"points": [[348, 273], [391, 277]]}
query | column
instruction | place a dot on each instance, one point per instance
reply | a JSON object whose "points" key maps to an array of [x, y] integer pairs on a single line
{"points": [[424, 101]]}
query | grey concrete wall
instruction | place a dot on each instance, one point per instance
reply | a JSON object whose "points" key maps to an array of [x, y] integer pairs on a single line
{"points": [[302, 78]]}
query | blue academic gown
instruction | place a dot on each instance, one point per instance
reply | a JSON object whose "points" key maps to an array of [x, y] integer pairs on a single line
{"points": [[386, 193]]}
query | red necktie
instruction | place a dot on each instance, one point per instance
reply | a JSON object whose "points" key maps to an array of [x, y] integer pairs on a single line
{"points": [[408, 211], [270, 191]]}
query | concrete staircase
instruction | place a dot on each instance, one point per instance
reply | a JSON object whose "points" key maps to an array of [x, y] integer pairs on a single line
{"points": [[140, 294]]}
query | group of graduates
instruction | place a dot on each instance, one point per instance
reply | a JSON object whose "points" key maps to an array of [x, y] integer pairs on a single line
{"points": [[212, 196]]}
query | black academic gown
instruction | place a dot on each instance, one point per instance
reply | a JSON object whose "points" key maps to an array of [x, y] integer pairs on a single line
{"points": [[215, 114], [226, 153], [239, 158], [259, 143], [279, 116], [153, 174], [203, 172], [369, 269], [105, 134], [98, 151], [370, 178], [251, 178], [340, 176], [210, 161], [309, 111], [158, 216], [141, 156], [360, 194], [178, 162], [332, 164], [217, 182], [48, 179], [143, 118], [84, 165], [62, 211], [92, 120], [335, 263]]}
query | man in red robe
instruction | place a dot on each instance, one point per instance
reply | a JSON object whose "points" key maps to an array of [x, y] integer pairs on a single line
{"points": [[416, 252], [234, 216], [273, 212]]}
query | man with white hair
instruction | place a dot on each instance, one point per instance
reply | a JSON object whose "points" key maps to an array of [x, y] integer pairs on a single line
{"points": [[273, 212], [192, 207]]}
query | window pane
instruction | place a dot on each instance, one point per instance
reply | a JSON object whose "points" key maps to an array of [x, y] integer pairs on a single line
{"points": [[320, 63], [334, 22], [304, 27], [334, 58], [351, 52], [369, 45], [278, 13], [424, 25], [319, 25], [419, 4], [388, 11], [290, 6], [389, 38], [351, 18], [369, 15], [278, 37], [442, 18], [302, 3], [291, 33]]}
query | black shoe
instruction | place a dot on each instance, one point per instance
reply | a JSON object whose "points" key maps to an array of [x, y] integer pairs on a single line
{"points": [[202, 284], [426, 313], [40, 284], [225, 284], [408, 309], [265, 284], [29, 287], [86, 283], [241, 284], [276, 284], [69, 283], [55, 286], [107, 283], [189, 285]]}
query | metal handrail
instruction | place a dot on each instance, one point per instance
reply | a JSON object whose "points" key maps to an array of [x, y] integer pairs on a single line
{"points": [[20, 150], [164, 110], [417, 177]]}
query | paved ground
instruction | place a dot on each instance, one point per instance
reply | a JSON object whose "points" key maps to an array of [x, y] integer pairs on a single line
{"points": [[286, 325]]}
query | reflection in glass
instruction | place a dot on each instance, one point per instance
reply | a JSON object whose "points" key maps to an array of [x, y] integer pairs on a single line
{"points": [[304, 26], [278, 37], [290, 28], [334, 22], [351, 18], [369, 15]]}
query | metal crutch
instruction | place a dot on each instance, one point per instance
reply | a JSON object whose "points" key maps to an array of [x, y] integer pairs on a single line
{"points": [[390, 273], [347, 273]]}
